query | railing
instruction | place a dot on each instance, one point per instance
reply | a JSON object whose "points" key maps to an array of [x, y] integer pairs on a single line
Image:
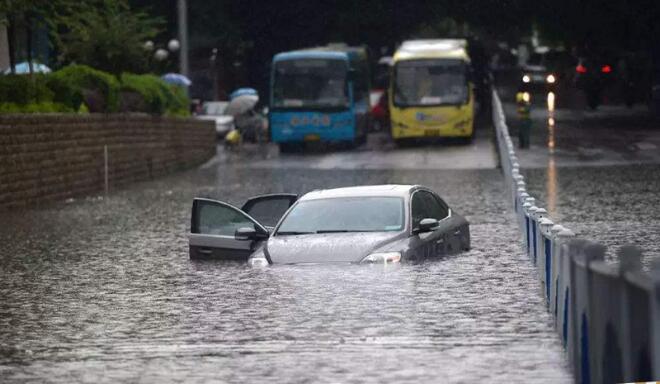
{"points": [[607, 315]]}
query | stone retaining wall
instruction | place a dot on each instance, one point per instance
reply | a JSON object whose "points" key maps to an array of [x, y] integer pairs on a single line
{"points": [[45, 158]]}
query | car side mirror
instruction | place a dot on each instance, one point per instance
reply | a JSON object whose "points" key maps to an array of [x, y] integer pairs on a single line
{"points": [[427, 225], [247, 233]]}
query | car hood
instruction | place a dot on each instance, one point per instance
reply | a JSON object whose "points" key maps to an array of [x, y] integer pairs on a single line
{"points": [[219, 119], [326, 247]]}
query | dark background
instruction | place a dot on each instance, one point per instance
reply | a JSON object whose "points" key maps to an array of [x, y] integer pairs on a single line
{"points": [[247, 33]]}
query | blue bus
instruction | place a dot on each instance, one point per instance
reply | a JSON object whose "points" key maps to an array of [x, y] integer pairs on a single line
{"points": [[319, 95]]}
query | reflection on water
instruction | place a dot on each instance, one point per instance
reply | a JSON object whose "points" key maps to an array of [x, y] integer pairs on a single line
{"points": [[105, 292], [551, 169]]}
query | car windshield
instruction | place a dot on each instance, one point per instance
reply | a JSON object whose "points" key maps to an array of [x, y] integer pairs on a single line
{"points": [[430, 82], [346, 214], [310, 83], [214, 108]]}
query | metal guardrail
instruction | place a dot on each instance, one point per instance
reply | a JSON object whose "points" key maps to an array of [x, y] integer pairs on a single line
{"points": [[608, 316]]}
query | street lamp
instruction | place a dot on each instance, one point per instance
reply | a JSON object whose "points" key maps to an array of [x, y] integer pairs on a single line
{"points": [[148, 45], [173, 45], [161, 54]]}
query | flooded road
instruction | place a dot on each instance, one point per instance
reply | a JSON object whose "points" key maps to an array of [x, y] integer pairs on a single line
{"points": [[103, 290]]}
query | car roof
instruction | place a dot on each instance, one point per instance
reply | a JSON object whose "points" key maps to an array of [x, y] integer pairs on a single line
{"points": [[395, 190]]}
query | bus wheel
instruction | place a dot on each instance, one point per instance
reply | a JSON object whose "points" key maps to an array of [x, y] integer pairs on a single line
{"points": [[290, 147], [402, 143]]}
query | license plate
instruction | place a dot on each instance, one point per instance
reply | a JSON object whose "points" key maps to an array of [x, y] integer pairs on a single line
{"points": [[432, 132], [312, 137]]}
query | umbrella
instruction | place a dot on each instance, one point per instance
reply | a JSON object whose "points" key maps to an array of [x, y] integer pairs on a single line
{"points": [[242, 92], [241, 104], [24, 68], [176, 79]]}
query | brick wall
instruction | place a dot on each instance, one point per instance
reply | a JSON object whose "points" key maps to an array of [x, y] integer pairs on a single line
{"points": [[47, 158]]}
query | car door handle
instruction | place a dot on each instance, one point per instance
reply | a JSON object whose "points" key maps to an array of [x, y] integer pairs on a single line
{"points": [[457, 233], [205, 251], [440, 241]]}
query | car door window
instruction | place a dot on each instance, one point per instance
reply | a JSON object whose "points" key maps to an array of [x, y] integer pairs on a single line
{"points": [[268, 209], [418, 209], [426, 205], [439, 208], [214, 218]]}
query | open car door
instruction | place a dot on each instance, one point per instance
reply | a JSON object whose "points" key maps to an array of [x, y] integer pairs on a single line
{"points": [[269, 209], [214, 225]]}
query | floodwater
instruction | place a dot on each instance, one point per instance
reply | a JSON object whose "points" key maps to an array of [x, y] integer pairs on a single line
{"points": [[103, 291]]}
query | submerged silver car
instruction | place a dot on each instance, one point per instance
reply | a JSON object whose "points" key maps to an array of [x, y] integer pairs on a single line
{"points": [[367, 224]]}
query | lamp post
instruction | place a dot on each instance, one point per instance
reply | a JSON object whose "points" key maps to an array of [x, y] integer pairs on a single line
{"points": [[214, 72], [182, 8]]}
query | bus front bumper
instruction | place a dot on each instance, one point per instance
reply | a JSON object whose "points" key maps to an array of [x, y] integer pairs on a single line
{"points": [[464, 128]]}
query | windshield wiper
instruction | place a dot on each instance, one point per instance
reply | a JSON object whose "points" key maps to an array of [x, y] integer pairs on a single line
{"points": [[294, 233]]}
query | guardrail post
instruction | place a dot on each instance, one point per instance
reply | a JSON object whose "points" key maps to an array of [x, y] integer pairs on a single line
{"points": [[554, 275], [522, 197], [655, 317], [563, 281], [545, 264], [605, 325], [531, 236], [538, 215], [636, 316], [580, 281]]}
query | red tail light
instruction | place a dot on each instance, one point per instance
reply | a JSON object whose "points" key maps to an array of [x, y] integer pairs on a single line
{"points": [[581, 69], [606, 69]]}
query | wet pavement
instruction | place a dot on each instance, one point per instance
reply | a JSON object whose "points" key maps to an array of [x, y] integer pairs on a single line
{"points": [[102, 290], [596, 172]]}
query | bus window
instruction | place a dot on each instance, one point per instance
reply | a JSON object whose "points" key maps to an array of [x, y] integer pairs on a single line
{"points": [[430, 82], [310, 83]]}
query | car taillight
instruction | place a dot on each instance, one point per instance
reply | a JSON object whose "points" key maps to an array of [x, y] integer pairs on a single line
{"points": [[606, 69], [581, 69]]}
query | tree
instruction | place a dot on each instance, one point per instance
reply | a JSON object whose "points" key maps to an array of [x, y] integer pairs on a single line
{"points": [[107, 35], [26, 15]]}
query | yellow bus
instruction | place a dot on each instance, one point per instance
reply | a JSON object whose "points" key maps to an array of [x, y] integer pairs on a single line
{"points": [[431, 94]]}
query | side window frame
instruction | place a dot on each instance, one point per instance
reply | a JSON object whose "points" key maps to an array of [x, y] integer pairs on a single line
{"points": [[195, 218]]}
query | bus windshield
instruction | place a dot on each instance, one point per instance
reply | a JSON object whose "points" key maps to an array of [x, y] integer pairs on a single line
{"points": [[315, 83], [430, 82]]}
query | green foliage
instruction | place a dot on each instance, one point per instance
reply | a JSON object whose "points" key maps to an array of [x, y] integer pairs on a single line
{"points": [[21, 89], [178, 103], [156, 96], [79, 88], [150, 90], [108, 35], [41, 107], [79, 83]]}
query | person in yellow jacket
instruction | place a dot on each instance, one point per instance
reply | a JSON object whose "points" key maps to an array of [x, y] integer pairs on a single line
{"points": [[524, 102]]}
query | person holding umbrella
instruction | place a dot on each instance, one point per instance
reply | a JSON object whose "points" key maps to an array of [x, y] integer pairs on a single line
{"points": [[249, 124]]}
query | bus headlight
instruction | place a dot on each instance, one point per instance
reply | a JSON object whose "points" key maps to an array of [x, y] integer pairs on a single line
{"points": [[550, 79], [526, 79], [383, 258]]}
